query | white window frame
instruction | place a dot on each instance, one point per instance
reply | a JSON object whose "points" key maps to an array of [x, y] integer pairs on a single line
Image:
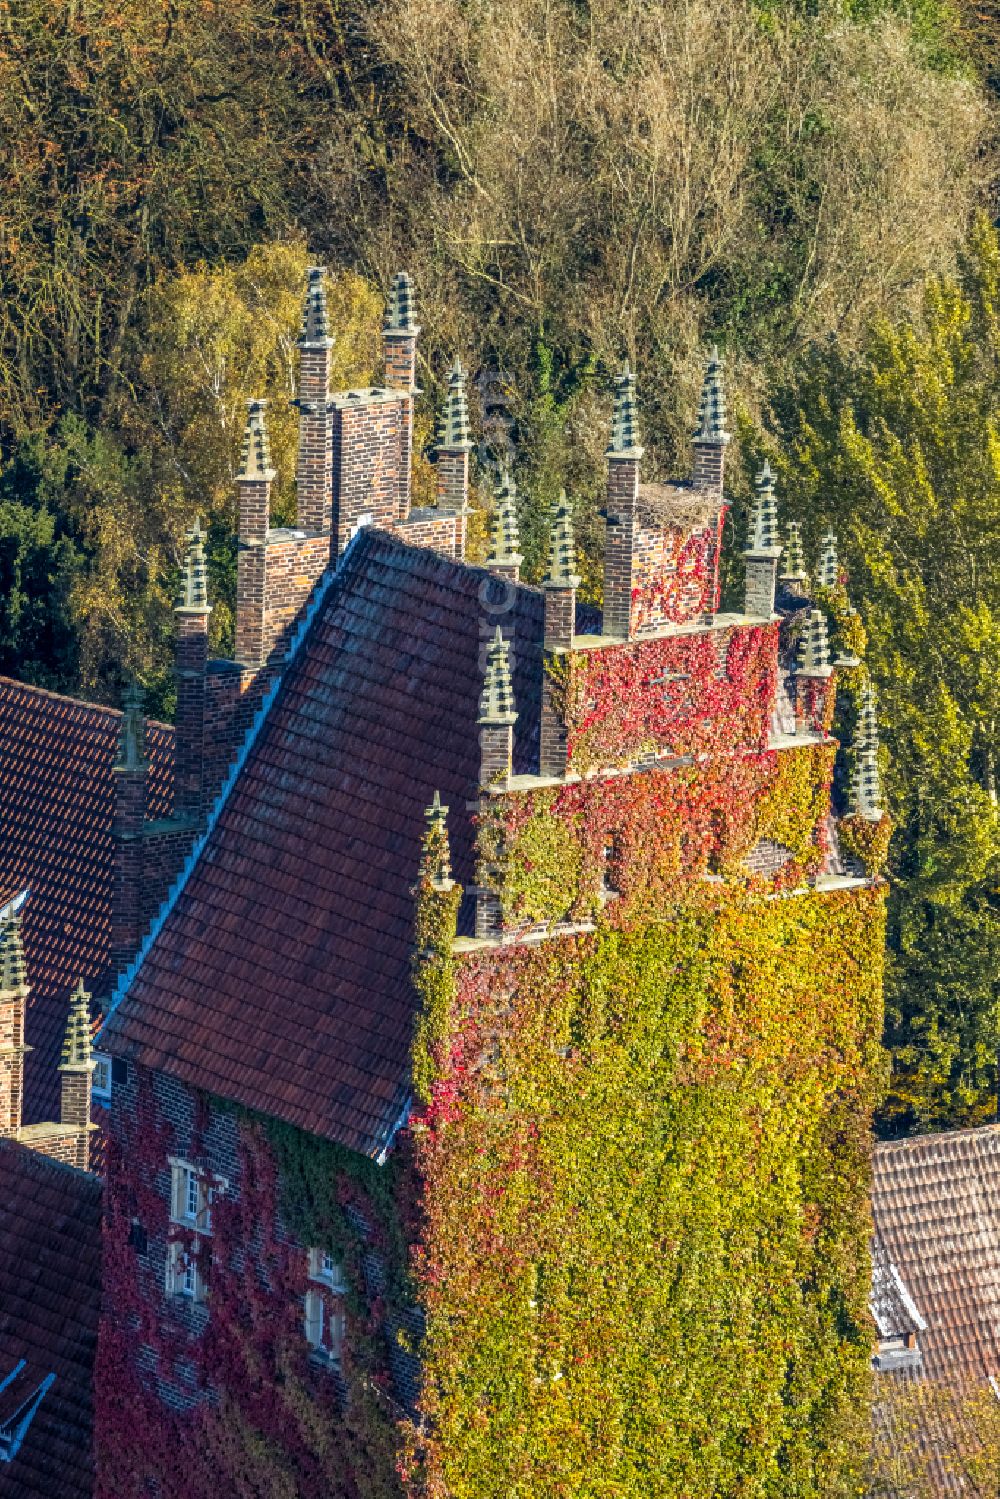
{"points": [[101, 1090], [192, 1195], [324, 1319], [324, 1323], [191, 1198], [183, 1276], [325, 1270]]}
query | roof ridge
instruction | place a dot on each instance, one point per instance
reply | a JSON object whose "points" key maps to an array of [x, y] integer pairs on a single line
{"points": [[929, 1137], [336, 572], [77, 702], [35, 1161]]}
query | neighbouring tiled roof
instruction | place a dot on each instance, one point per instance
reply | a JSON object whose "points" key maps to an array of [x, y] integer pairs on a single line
{"points": [[50, 1292], [281, 976], [936, 1206], [56, 808], [936, 1209]]}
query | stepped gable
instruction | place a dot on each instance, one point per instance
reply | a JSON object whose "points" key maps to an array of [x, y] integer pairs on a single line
{"points": [[56, 806], [936, 1205], [50, 1293], [280, 977]]}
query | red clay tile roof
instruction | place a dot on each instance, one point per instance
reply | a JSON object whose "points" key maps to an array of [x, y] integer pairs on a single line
{"points": [[936, 1205], [56, 806], [280, 978], [936, 1208], [50, 1292]]}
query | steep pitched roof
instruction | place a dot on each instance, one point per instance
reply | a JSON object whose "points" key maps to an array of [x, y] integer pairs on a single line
{"points": [[280, 977], [50, 1292], [56, 808]]}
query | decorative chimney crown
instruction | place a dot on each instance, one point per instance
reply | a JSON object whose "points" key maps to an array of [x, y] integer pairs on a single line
{"points": [[764, 518], [436, 865], [454, 433], [194, 593], [399, 309], [76, 1041], [315, 326], [505, 540], [496, 703], [829, 567], [794, 570], [255, 454], [712, 407], [12, 970], [562, 547], [624, 422], [814, 647], [132, 732]]}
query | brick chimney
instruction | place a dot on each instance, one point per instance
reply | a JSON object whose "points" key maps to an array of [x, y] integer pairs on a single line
{"points": [[253, 487], [76, 1072], [711, 438], [560, 588], [314, 473], [399, 342], [621, 507], [454, 447], [497, 717], [191, 663], [505, 543], [131, 768], [13, 999], [763, 551]]}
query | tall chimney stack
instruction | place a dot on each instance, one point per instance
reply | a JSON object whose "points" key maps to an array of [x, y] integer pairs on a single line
{"points": [[399, 342], [314, 474]]}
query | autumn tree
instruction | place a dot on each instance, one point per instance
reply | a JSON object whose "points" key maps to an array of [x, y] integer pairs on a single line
{"points": [[899, 449]]}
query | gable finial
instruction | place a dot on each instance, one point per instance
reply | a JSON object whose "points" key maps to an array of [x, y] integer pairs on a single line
{"points": [[399, 312], [712, 405], [814, 647], [866, 780], [794, 570], [829, 566], [496, 702], [77, 1036], [436, 857], [315, 323], [194, 580], [255, 452], [505, 540], [764, 518], [12, 969], [454, 432], [562, 547], [624, 421], [132, 730]]}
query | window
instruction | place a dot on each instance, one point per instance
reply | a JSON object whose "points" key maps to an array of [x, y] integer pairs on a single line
{"points": [[190, 1197], [325, 1324], [183, 1278], [324, 1268], [324, 1305], [191, 1208], [101, 1079]]}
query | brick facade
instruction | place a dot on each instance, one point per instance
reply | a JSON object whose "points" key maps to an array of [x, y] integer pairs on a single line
{"points": [[366, 437]]}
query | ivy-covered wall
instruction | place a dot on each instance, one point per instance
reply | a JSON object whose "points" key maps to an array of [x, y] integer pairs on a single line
{"points": [[643, 1145], [644, 1249], [197, 1401]]}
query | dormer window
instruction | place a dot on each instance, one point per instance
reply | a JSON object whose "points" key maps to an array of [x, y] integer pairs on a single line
{"points": [[101, 1078]]}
